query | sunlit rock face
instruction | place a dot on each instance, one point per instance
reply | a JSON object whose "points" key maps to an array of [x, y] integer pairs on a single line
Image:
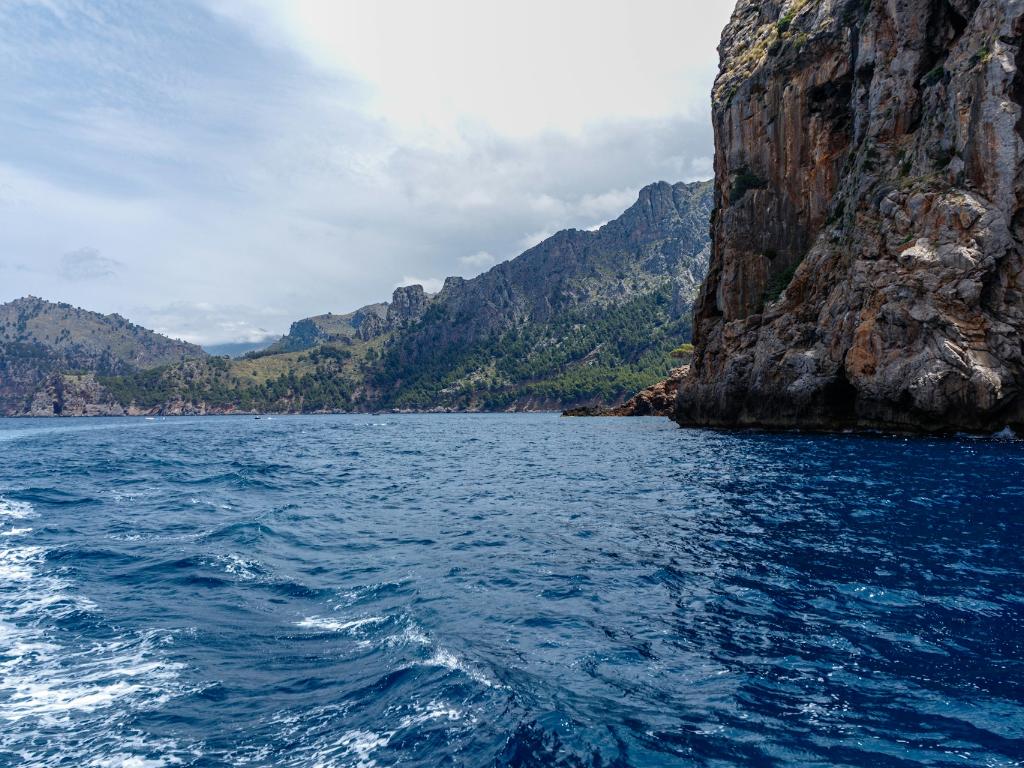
{"points": [[867, 239]]}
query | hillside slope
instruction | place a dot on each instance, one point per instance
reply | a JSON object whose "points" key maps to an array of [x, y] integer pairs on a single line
{"points": [[585, 316], [40, 341], [868, 268]]}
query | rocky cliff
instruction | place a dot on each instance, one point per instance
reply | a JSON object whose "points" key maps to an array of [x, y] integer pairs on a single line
{"points": [[869, 214], [407, 305]]}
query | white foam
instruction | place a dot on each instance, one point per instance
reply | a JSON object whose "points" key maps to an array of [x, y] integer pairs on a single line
{"points": [[16, 509], [48, 683], [45, 683], [333, 625], [448, 660], [362, 744], [19, 563], [236, 565], [434, 710], [412, 634]]}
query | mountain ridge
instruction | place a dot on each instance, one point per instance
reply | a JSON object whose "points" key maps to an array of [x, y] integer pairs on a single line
{"points": [[585, 317]]}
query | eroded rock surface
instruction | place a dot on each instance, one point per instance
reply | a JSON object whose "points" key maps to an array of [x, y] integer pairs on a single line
{"points": [[867, 256], [656, 400]]}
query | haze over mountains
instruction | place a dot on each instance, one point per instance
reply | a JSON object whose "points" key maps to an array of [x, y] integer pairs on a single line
{"points": [[584, 317]]}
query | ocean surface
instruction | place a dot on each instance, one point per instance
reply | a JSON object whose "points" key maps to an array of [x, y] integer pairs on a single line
{"points": [[505, 591]]}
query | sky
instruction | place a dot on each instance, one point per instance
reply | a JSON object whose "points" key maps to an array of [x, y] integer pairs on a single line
{"points": [[216, 169]]}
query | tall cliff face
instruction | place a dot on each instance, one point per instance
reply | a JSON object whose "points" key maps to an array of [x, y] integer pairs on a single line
{"points": [[867, 264]]}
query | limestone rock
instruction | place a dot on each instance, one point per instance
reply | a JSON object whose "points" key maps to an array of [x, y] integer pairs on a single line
{"points": [[74, 395], [407, 306], [657, 400], [867, 266]]}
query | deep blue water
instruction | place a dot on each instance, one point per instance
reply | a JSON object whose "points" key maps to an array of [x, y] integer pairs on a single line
{"points": [[505, 591]]}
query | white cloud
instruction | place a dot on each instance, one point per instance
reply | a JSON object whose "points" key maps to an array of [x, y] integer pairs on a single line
{"points": [[534, 238], [517, 68], [607, 204], [480, 260], [203, 323]]}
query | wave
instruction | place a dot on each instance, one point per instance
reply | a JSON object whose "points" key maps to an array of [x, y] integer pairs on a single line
{"points": [[70, 686], [332, 625], [447, 660]]}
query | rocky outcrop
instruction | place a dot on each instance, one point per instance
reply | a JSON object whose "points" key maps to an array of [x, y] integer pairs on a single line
{"points": [[371, 321], [74, 395], [867, 265], [407, 306], [656, 400]]}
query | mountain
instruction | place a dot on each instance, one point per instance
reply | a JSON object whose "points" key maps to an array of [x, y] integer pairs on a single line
{"points": [[55, 350], [867, 269], [583, 318]]}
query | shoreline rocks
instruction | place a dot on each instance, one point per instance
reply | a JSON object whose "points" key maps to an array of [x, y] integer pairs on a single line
{"points": [[657, 400]]}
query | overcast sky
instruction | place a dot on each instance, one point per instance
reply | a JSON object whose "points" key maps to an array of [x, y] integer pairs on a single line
{"points": [[215, 169]]}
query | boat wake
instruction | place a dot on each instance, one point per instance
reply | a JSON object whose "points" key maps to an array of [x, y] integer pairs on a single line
{"points": [[63, 696]]}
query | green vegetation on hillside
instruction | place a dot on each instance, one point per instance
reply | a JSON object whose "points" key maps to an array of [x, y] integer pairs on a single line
{"points": [[590, 354], [304, 384], [593, 353]]}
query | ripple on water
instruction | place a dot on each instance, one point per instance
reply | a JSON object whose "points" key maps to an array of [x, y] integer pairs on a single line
{"points": [[508, 591]]}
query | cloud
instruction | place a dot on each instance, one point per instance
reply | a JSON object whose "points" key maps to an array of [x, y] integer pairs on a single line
{"points": [[203, 323], [479, 261], [88, 264], [520, 69], [269, 161], [534, 238]]}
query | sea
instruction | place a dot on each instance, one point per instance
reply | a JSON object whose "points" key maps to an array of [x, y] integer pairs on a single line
{"points": [[506, 590]]}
